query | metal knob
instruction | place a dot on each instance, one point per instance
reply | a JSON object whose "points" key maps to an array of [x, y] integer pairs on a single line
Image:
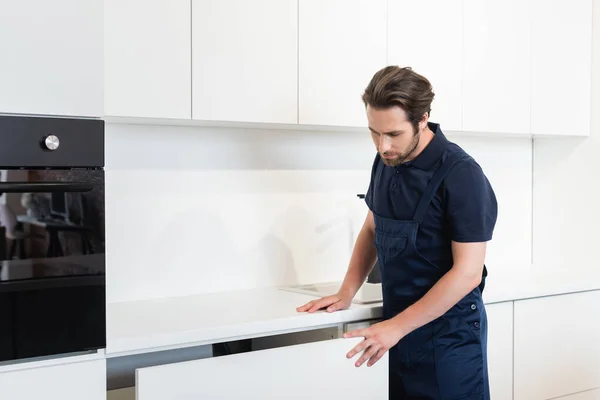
{"points": [[51, 142]]}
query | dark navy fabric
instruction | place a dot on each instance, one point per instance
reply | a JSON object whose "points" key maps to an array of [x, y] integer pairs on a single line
{"points": [[419, 208], [464, 209]]}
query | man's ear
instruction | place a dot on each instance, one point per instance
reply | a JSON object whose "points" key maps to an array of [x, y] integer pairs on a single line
{"points": [[423, 121]]}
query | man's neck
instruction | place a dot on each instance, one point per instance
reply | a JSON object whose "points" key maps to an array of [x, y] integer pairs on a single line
{"points": [[426, 136]]}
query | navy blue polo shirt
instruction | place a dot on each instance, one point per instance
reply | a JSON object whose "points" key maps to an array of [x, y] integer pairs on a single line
{"points": [[464, 208]]}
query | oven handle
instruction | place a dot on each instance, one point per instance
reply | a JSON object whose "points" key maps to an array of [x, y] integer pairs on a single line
{"points": [[45, 187]]}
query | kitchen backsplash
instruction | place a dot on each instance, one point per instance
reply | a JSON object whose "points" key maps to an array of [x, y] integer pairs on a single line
{"points": [[203, 209]]}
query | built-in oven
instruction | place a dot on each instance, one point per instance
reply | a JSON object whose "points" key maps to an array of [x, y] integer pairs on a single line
{"points": [[52, 247]]}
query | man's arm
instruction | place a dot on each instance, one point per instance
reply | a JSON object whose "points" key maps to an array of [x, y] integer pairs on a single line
{"points": [[361, 263], [462, 278], [363, 258]]}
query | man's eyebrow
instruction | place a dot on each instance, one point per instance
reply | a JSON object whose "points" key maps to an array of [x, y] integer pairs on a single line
{"points": [[386, 133]]}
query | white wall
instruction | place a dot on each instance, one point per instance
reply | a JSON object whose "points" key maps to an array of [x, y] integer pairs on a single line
{"points": [[198, 209]]}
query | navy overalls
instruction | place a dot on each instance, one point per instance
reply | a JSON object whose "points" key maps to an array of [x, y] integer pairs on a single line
{"points": [[445, 359]]}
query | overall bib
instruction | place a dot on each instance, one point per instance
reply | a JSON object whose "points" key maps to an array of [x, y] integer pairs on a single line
{"points": [[445, 359]]}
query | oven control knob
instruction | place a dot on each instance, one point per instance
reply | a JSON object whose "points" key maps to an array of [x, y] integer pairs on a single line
{"points": [[51, 142]]}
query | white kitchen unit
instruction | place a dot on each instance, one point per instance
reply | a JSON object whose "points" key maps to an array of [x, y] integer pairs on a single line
{"points": [[500, 344], [69, 380], [51, 57], [245, 60], [435, 52], [497, 63], [316, 371], [147, 58], [587, 395], [341, 45], [561, 70], [556, 349]]}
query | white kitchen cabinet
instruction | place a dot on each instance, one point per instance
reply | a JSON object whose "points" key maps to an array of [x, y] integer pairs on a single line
{"points": [[245, 60], [51, 57], [68, 381], [497, 64], [587, 395], [435, 52], [556, 350], [148, 58], [500, 344], [318, 371], [561, 45], [341, 45]]}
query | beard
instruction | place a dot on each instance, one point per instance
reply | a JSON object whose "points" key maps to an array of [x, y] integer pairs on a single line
{"points": [[403, 156]]}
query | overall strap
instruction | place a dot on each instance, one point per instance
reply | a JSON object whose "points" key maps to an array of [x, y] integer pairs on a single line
{"points": [[434, 184]]}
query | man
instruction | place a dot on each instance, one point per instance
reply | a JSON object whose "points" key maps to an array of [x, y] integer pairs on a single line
{"points": [[431, 212]]}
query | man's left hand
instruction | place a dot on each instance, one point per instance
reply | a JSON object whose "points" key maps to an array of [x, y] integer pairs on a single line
{"points": [[379, 338]]}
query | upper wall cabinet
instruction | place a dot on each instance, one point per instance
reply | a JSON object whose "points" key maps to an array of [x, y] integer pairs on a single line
{"points": [[341, 45], [561, 45], [245, 60], [148, 58], [51, 57], [435, 52], [497, 64]]}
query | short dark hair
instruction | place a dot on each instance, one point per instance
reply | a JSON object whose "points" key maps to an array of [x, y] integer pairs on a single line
{"points": [[395, 86]]}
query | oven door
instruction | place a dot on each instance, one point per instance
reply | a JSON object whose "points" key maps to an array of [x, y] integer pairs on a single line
{"points": [[52, 262]]}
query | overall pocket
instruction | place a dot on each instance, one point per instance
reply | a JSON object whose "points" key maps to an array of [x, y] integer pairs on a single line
{"points": [[389, 247]]}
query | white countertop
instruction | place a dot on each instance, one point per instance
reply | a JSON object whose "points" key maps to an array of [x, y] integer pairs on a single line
{"points": [[165, 324]]}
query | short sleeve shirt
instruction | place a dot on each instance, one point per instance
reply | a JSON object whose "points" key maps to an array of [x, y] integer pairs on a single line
{"points": [[464, 209]]}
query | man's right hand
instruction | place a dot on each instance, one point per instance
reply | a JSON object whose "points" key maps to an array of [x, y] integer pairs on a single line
{"points": [[333, 303]]}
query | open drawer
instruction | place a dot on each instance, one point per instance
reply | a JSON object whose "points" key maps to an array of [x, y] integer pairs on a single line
{"points": [[318, 370]]}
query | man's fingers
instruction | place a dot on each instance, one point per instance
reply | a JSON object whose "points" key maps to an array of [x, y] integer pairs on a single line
{"points": [[356, 333], [306, 306], [335, 306], [376, 357], [359, 347], [368, 353]]}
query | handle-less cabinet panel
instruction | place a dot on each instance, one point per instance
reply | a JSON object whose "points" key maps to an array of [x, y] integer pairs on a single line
{"points": [[70, 381], [561, 45], [500, 344], [51, 55], [497, 64], [435, 52], [148, 58], [317, 371], [245, 60], [557, 351], [341, 45]]}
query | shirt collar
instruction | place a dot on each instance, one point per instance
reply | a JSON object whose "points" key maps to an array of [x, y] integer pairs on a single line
{"points": [[433, 152]]}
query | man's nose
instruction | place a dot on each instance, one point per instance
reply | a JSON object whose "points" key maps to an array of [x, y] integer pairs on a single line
{"points": [[385, 144]]}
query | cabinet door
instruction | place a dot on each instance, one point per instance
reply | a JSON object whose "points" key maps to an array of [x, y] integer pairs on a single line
{"points": [[245, 60], [70, 381], [435, 52], [51, 57], [561, 45], [497, 63], [318, 371], [500, 345], [587, 395], [557, 351], [148, 58], [342, 44]]}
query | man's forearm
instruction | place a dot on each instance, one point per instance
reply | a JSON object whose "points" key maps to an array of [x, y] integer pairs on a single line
{"points": [[448, 291], [361, 263]]}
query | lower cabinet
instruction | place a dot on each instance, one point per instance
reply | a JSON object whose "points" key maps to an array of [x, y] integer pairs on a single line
{"points": [[317, 371], [500, 344], [557, 347], [69, 381], [587, 395]]}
